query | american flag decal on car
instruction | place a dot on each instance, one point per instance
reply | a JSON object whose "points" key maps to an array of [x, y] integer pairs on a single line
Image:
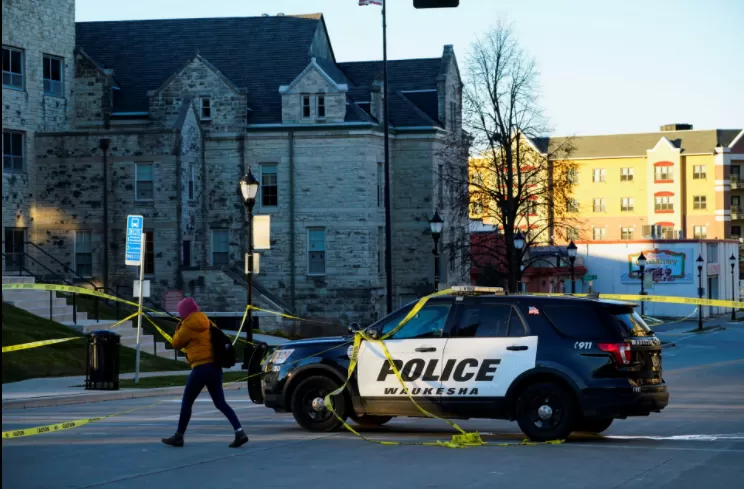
{"points": [[533, 310]]}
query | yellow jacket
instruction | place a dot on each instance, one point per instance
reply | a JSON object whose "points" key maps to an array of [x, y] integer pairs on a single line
{"points": [[193, 335]]}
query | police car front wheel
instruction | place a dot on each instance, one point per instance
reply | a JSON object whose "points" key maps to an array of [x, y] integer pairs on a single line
{"points": [[545, 412], [308, 404]]}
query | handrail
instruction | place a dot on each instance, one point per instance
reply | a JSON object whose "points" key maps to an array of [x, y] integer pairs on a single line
{"points": [[23, 269], [26, 255], [82, 279]]}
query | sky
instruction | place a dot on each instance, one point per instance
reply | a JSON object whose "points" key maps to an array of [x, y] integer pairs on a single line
{"points": [[605, 67]]}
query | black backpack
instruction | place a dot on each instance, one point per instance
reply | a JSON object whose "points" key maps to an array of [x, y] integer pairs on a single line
{"points": [[222, 348]]}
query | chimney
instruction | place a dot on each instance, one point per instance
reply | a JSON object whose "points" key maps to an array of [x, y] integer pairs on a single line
{"points": [[377, 98], [676, 127]]}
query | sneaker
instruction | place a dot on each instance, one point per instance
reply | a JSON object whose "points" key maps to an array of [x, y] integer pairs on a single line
{"points": [[240, 439], [174, 441]]}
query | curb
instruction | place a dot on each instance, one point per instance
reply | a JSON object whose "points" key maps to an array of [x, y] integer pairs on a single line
{"points": [[708, 329], [103, 397]]}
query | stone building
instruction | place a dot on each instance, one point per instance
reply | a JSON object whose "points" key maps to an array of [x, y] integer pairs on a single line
{"points": [[162, 117]]}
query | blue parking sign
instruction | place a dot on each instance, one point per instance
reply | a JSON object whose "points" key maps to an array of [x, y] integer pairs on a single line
{"points": [[133, 252]]}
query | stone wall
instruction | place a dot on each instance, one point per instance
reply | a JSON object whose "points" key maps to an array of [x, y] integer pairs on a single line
{"points": [[197, 79], [93, 92], [37, 27]]}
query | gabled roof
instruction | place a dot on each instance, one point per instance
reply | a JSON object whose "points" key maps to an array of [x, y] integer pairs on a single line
{"points": [[624, 145], [414, 75], [255, 53]]}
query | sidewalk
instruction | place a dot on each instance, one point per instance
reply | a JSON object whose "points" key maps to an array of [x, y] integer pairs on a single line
{"points": [[58, 391]]}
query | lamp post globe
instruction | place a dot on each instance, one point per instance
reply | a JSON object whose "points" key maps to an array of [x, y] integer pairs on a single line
{"points": [[248, 190], [642, 267], [436, 223], [700, 263], [519, 241]]}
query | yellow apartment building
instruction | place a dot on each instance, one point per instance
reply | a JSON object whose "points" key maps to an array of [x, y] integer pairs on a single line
{"points": [[677, 183]]}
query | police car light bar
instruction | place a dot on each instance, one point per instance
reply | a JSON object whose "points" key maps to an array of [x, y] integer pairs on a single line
{"points": [[473, 289]]}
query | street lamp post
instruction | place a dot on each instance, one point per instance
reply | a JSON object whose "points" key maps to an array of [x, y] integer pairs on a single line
{"points": [[642, 267], [519, 242], [572, 259], [732, 260], [436, 223], [248, 189], [522, 285], [700, 262]]}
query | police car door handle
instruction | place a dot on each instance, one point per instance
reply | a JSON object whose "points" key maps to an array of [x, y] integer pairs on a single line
{"points": [[517, 348], [426, 349]]}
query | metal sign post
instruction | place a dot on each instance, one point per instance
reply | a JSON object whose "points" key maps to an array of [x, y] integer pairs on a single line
{"points": [[139, 311], [134, 256]]}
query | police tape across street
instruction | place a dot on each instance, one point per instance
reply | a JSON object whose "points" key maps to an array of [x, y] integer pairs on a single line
{"points": [[461, 439]]}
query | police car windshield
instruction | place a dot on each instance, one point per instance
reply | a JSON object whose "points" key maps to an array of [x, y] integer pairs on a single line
{"points": [[631, 324]]}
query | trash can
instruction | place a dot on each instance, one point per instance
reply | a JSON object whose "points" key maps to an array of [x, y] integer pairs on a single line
{"points": [[102, 362]]}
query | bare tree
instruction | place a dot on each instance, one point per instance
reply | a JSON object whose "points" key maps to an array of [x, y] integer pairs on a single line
{"points": [[519, 179]]}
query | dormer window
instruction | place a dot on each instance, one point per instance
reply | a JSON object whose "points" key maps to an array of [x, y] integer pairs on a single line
{"points": [[321, 107], [205, 109], [306, 106]]}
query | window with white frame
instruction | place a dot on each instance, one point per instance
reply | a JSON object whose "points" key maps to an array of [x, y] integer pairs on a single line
{"points": [[626, 174], [320, 108], [599, 234], [305, 106], [13, 68], [626, 234], [13, 151], [699, 202], [698, 172], [269, 185], [476, 209], [220, 247], [53, 76], [735, 204], [192, 181], [380, 184], [572, 205], [143, 185], [205, 108], [598, 205], [664, 203], [572, 234], [700, 232], [316, 251], [572, 175], [599, 175], [83, 254], [626, 204], [663, 173]]}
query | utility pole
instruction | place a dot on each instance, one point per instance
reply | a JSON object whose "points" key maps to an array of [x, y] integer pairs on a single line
{"points": [[388, 217]]}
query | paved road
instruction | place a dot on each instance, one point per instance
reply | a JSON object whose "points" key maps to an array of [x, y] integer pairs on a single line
{"points": [[698, 441]]}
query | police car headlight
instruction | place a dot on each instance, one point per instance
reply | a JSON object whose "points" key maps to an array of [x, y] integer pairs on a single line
{"points": [[281, 356]]}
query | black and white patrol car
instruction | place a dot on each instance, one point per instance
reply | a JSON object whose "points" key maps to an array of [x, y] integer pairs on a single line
{"points": [[553, 364]]}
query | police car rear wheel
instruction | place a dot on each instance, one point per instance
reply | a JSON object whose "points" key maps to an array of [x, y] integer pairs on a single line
{"points": [[308, 405], [369, 420], [593, 425], [545, 412]]}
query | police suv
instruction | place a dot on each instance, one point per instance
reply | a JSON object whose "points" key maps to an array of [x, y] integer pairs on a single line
{"points": [[554, 364]]}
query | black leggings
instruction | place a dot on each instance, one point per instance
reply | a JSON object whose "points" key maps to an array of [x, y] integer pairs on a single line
{"points": [[209, 375]]}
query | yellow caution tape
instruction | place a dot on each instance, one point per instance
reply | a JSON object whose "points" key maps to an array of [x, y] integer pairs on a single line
{"points": [[53, 428], [655, 298], [36, 344]]}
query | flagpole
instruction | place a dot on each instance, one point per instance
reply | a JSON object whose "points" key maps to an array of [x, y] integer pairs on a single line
{"points": [[388, 224]]}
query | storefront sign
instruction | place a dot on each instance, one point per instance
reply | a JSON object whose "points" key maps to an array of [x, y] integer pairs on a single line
{"points": [[662, 266]]}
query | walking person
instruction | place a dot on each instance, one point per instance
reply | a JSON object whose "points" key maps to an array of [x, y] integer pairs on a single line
{"points": [[193, 335]]}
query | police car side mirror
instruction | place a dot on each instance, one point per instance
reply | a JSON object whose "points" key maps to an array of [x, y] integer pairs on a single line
{"points": [[353, 328], [373, 333]]}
